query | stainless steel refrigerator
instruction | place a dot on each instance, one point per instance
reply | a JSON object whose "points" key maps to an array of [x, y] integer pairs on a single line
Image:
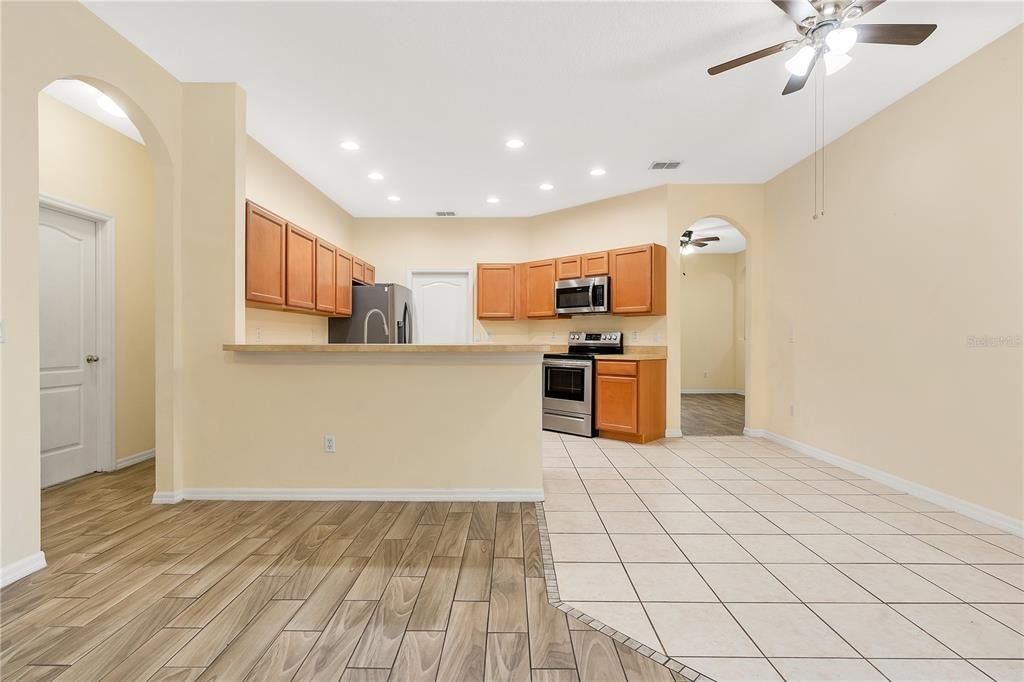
{"points": [[380, 314]]}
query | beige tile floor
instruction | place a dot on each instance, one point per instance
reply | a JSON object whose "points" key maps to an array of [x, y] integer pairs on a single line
{"points": [[745, 560]]}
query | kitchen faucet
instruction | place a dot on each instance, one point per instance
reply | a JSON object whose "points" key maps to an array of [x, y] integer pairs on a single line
{"points": [[366, 324]]}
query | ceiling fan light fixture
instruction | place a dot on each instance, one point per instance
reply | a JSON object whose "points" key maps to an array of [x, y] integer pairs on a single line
{"points": [[799, 63], [835, 62], [841, 40]]}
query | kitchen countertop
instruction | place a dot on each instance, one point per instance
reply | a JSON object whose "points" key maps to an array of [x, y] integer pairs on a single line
{"points": [[645, 355], [391, 348]]}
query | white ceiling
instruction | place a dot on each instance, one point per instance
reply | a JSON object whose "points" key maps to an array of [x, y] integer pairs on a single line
{"points": [[730, 240], [431, 91], [85, 98]]}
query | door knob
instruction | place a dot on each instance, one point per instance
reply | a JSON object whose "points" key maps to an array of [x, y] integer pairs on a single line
{"points": [[92, 358]]}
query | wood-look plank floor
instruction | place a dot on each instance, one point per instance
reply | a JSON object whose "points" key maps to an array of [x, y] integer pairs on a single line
{"points": [[712, 414], [291, 591]]}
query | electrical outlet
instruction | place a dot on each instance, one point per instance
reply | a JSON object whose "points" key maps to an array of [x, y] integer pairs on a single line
{"points": [[259, 335], [792, 411], [330, 446], [705, 374], [636, 336]]}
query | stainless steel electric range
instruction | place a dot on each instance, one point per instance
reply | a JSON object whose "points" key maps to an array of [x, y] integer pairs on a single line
{"points": [[568, 388]]}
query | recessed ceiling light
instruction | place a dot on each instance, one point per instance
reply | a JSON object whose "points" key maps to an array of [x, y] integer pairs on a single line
{"points": [[597, 171], [547, 186], [350, 145], [394, 197], [110, 106], [493, 200], [376, 176], [514, 143]]}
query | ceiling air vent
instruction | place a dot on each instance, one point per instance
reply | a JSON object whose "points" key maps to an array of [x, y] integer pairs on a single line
{"points": [[665, 165], [445, 214]]}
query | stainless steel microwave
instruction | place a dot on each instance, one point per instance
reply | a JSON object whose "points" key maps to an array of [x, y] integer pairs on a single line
{"points": [[586, 295]]}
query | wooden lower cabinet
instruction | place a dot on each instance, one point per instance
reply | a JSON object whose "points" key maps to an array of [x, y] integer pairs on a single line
{"points": [[631, 399]]}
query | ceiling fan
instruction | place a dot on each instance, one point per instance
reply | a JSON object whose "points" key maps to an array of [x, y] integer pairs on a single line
{"points": [[687, 243], [826, 34]]}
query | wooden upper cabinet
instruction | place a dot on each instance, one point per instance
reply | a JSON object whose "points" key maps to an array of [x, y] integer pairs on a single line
{"points": [[343, 274], [594, 264], [638, 280], [264, 256], [496, 291], [369, 274], [540, 288], [358, 269], [326, 277], [300, 269], [570, 268]]}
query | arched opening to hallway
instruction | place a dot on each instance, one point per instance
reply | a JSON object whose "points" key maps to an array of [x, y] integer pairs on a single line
{"points": [[97, 307], [713, 328]]}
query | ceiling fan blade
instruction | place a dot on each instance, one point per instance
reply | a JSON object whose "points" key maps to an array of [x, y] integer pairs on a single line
{"points": [[795, 82], [798, 10], [894, 34], [707, 239], [699, 245], [746, 59], [869, 5]]}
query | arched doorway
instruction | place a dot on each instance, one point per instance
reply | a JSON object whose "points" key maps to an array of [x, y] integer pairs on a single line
{"points": [[96, 286], [713, 328]]}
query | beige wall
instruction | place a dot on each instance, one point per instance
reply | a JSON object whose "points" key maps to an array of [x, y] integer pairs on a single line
{"points": [[40, 42], [87, 163], [920, 250], [397, 245], [739, 322], [711, 322]]}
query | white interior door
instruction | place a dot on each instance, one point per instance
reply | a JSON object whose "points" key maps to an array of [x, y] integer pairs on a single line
{"points": [[443, 302], [67, 343]]}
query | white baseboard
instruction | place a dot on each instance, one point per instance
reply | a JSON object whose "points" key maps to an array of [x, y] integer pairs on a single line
{"points": [[21, 568], [702, 391], [673, 433], [376, 494], [968, 509], [135, 459], [168, 497]]}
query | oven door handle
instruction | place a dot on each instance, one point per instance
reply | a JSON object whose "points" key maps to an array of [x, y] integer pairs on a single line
{"points": [[571, 364]]}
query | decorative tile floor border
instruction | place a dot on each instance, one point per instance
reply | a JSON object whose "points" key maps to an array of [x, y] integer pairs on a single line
{"points": [[675, 665]]}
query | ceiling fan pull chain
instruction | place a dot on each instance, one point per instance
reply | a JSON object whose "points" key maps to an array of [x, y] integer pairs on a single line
{"points": [[824, 141]]}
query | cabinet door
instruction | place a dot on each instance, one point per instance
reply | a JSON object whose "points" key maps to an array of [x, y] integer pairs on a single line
{"points": [[264, 256], [300, 269], [496, 291], [369, 273], [617, 403], [632, 275], [326, 277], [358, 270], [595, 264], [540, 289], [570, 268], [343, 270]]}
